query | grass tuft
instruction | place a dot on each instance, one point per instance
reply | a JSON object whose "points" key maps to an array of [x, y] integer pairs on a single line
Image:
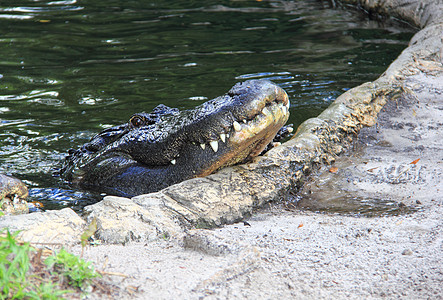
{"points": [[78, 272], [24, 276]]}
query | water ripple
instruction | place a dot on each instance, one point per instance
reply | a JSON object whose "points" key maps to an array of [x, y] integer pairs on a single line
{"points": [[38, 9]]}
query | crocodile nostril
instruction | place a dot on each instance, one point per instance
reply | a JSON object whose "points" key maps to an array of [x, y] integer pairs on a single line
{"points": [[90, 147]]}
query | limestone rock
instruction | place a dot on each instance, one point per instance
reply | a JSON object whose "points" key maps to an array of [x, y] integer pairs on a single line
{"points": [[120, 220], [55, 226]]}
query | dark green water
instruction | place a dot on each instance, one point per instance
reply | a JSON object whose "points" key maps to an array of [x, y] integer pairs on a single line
{"points": [[68, 69]]}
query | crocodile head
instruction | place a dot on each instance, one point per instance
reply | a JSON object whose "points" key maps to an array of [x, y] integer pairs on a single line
{"points": [[13, 194], [164, 147]]}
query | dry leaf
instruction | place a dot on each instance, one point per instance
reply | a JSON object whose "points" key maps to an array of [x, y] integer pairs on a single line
{"points": [[37, 204], [415, 161], [333, 169]]}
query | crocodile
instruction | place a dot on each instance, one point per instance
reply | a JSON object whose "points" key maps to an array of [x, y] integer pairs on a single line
{"points": [[166, 146], [13, 193]]}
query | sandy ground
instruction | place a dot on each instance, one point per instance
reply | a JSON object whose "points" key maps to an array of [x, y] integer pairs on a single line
{"points": [[393, 248]]}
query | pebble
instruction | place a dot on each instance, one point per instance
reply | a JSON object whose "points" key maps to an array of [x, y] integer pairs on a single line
{"points": [[407, 252]]}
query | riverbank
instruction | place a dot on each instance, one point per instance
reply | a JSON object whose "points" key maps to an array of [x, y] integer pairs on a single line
{"points": [[395, 165], [295, 254]]}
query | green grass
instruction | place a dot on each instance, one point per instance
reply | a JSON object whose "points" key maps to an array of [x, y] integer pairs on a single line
{"points": [[78, 272], [24, 276], [14, 264]]}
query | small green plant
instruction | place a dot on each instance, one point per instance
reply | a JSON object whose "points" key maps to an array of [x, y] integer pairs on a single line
{"points": [[47, 291], [18, 279], [14, 264], [78, 272]]}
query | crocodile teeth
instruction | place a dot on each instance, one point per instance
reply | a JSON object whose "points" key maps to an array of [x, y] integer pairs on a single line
{"points": [[223, 137], [214, 145], [237, 126], [173, 161], [203, 146], [266, 111], [285, 109]]}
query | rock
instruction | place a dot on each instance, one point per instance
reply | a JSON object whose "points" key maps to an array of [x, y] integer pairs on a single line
{"points": [[14, 206], [120, 220], [420, 13], [407, 252], [55, 226]]}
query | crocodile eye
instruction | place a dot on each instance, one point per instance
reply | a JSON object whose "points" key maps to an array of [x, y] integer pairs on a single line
{"points": [[136, 121]]}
